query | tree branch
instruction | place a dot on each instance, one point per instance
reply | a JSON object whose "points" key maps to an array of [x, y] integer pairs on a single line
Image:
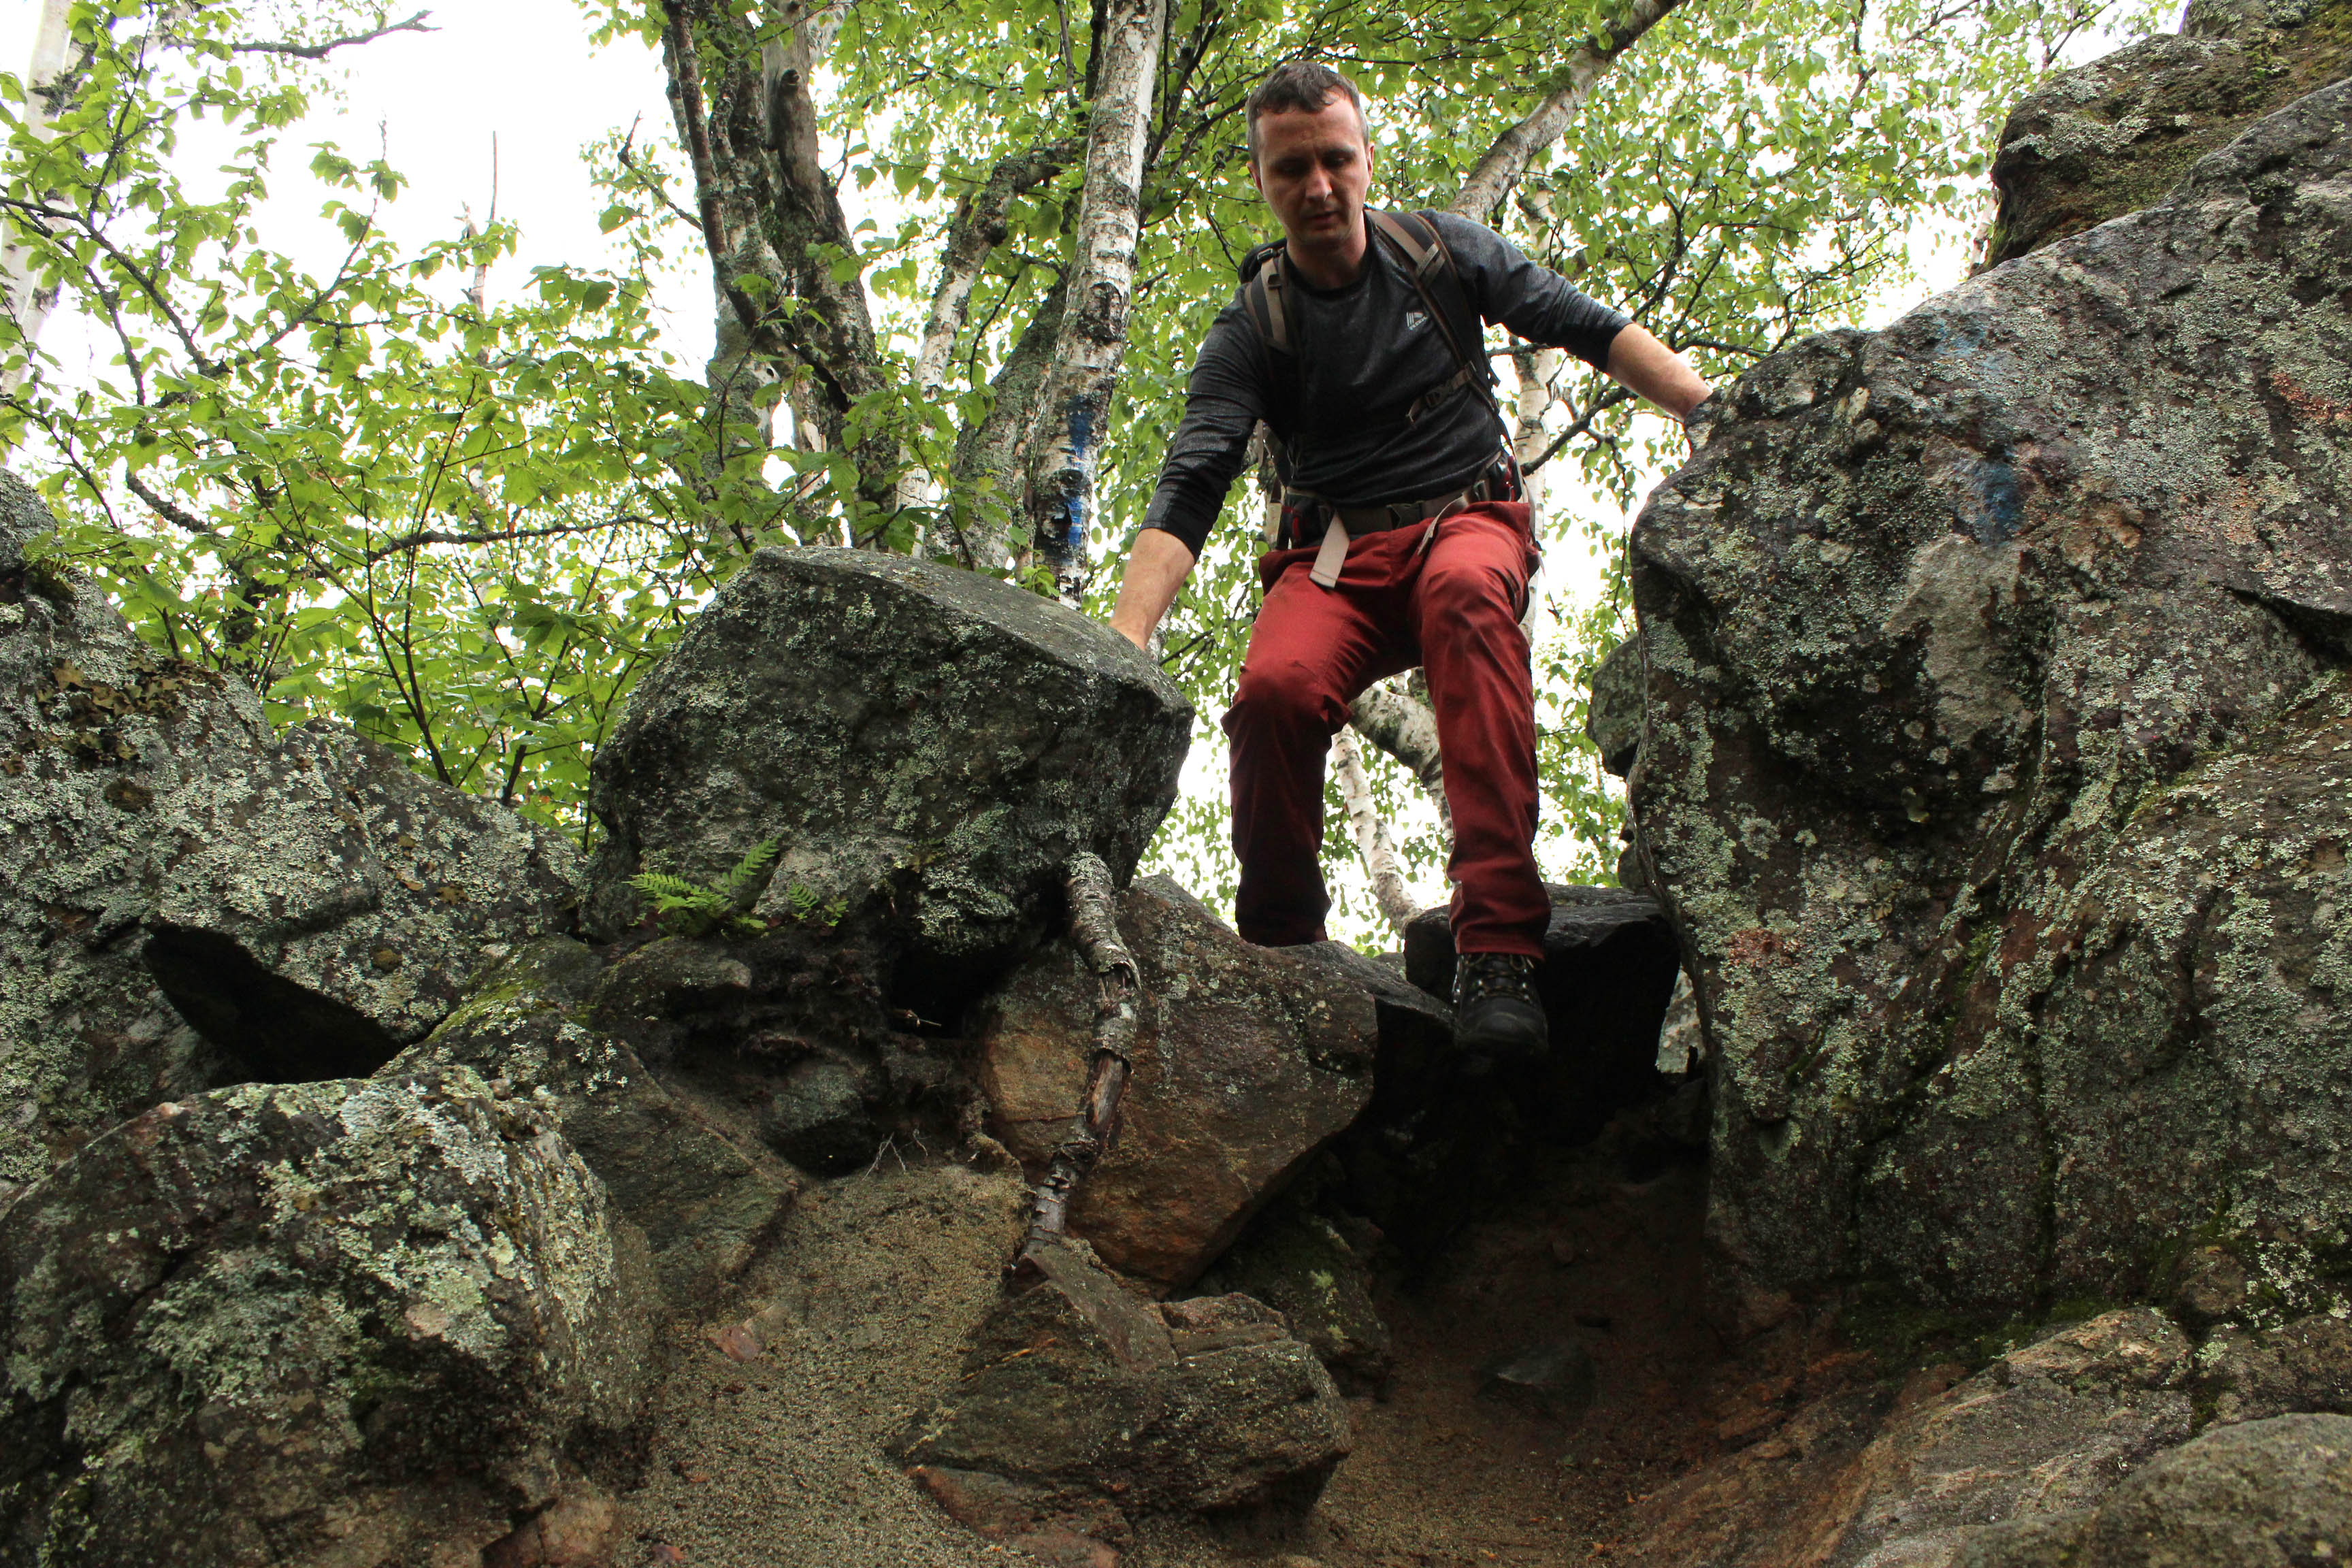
{"points": [[416, 23], [1484, 191], [979, 228]]}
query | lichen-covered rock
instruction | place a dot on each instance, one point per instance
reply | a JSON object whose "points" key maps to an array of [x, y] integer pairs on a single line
{"points": [[2115, 135], [2252, 1375], [927, 747], [307, 903], [1613, 713], [1294, 1259], [2044, 1430], [328, 1323], [786, 1039], [2269, 1494], [1079, 1393], [1998, 760], [705, 1201], [1247, 1061]]}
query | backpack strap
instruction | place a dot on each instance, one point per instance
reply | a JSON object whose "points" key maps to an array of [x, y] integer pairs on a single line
{"points": [[1268, 311], [1427, 260]]}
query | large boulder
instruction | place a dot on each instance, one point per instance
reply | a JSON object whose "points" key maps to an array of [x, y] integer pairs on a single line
{"points": [[187, 901], [1081, 1407], [1997, 761], [705, 1200], [2269, 1494], [2078, 1450], [1247, 1061], [2115, 135], [328, 1323], [926, 748]]}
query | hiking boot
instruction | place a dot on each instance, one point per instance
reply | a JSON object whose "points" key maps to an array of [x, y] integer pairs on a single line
{"points": [[1497, 1019]]}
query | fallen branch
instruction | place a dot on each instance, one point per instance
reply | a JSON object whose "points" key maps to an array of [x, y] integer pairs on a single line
{"points": [[1093, 927]]}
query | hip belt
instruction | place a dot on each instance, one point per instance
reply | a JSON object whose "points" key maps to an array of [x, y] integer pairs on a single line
{"points": [[1338, 524]]}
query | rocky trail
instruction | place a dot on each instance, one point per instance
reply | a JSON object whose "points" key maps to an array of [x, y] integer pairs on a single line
{"points": [[1944, 1159]]}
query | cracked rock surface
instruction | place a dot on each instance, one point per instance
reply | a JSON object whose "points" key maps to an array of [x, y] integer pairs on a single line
{"points": [[1997, 761], [187, 901]]}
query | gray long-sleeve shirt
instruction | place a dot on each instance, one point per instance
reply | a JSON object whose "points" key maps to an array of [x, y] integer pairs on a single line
{"points": [[1363, 353]]}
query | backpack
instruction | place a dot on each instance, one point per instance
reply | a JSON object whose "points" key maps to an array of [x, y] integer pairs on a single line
{"points": [[1266, 281]]}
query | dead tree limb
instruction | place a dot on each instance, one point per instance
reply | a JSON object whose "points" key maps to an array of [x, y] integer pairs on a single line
{"points": [[1093, 927]]}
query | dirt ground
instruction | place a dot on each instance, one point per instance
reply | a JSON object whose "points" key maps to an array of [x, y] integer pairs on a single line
{"points": [[778, 1462]]}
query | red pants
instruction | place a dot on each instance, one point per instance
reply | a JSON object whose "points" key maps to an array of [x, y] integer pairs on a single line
{"points": [[1452, 608]]}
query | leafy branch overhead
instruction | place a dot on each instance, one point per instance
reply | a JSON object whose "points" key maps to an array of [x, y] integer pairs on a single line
{"points": [[462, 507]]}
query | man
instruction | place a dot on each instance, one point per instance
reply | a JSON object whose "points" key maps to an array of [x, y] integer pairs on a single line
{"points": [[1404, 541]]}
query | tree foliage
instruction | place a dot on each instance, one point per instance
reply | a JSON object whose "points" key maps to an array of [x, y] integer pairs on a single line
{"points": [[465, 524]]}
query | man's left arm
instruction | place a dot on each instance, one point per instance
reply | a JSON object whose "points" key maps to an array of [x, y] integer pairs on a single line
{"points": [[1652, 370], [1542, 307]]}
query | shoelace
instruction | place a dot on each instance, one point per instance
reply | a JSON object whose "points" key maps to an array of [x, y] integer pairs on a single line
{"points": [[1483, 975]]}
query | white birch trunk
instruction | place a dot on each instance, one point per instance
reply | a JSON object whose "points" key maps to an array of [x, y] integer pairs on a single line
{"points": [[1404, 728], [28, 304], [1373, 841], [1073, 404]]}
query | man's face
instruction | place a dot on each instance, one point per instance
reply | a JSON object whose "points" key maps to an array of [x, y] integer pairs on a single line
{"points": [[1313, 169]]}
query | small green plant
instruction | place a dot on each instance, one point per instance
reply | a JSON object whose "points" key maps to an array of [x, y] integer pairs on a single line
{"points": [[690, 908], [810, 905]]}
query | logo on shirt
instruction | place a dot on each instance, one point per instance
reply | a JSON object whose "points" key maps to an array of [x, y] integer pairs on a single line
{"points": [[1414, 320]]}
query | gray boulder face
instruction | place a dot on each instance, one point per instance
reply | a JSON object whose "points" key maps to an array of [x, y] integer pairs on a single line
{"points": [[706, 1201], [2115, 135], [1078, 1398], [324, 1323], [1997, 769], [1613, 712], [2049, 1429], [2268, 1494], [1247, 1061], [187, 902], [927, 747]]}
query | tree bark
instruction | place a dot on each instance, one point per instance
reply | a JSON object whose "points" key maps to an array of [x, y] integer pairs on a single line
{"points": [[28, 304], [1484, 191], [991, 449], [1067, 426], [771, 223], [1373, 841], [977, 229], [1402, 726]]}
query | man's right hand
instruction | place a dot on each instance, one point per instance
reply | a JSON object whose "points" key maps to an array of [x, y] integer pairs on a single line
{"points": [[1156, 568]]}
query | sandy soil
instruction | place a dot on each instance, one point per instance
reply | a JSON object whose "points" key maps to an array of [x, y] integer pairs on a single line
{"points": [[778, 1462]]}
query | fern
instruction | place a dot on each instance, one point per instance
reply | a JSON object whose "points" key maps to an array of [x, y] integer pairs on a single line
{"points": [[691, 909], [755, 860]]}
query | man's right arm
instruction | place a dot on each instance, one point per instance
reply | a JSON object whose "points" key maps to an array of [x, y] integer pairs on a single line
{"points": [[1156, 569], [1222, 409]]}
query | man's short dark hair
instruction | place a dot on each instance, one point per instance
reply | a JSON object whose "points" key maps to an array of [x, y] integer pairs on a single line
{"points": [[1302, 87]]}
